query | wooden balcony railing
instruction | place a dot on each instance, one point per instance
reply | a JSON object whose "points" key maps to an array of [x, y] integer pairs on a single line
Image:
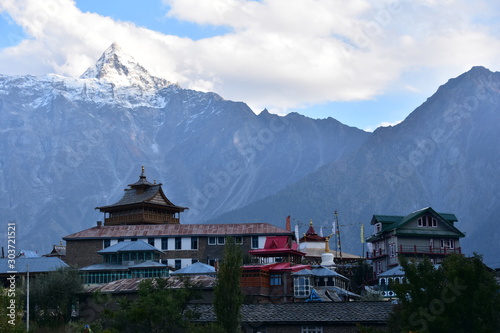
{"points": [[414, 249], [146, 217]]}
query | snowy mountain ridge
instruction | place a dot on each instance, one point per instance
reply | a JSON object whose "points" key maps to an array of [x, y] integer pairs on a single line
{"points": [[71, 144]]}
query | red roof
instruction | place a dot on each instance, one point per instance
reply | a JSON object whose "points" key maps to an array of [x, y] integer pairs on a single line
{"points": [[283, 266], [276, 242], [153, 230]]}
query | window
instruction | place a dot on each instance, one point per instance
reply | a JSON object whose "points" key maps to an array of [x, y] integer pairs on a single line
{"points": [[177, 264], [120, 240], [378, 227], [431, 243], [255, 242], [311, 329], [164, 243], [238, 240], [151, 241], [212, 240], [275, 280], [301, 286], [447, 244], [378, 267], [211, 262], [133, 239], [194, 243], [178, 243], [434, 223], [392, 250], [106, 243], [221, 240]]}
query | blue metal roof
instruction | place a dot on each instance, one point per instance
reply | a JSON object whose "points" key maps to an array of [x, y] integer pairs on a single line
{"points": [[118, 267], [196, 269], [318, 271], [129, 246], [36, 265]]}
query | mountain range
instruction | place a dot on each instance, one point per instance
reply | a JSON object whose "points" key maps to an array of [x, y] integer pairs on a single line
{"points": [[71, 144]]}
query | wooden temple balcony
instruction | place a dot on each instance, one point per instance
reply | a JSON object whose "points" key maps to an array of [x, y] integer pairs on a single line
{"points": [[143, 218]]}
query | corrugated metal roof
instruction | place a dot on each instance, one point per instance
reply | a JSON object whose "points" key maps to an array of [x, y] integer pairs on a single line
{"points": [[128, 231], [118, 267], [129, 246], [36, 265], [131, 285]]}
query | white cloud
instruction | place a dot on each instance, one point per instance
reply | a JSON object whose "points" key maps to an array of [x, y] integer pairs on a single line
{"points": [[280, 54]]}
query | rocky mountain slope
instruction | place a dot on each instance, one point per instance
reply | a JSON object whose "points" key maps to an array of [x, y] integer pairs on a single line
{"points": [[68, 145], [444, 155]]}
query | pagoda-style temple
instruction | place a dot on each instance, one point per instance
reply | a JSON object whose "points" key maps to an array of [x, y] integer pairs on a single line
{"points": [[142, 203]]}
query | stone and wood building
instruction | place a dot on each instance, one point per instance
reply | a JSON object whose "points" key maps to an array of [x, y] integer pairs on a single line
{"points": [[423, 233], [144, 213]]}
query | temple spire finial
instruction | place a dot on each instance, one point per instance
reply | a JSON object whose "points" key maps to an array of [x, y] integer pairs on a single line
{"points": [[142, 172]]}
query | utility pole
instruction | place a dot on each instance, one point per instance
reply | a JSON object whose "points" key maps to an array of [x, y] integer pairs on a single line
{"points": [[28, 297]]}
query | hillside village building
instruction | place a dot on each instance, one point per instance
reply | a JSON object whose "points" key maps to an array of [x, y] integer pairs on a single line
{"points": [[144, 213], [423, 233]]}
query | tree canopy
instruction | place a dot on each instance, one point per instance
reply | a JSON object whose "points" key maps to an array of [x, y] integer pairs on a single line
{"points": [[460, 295], [158, 308], [228, 296], [53, 295]]}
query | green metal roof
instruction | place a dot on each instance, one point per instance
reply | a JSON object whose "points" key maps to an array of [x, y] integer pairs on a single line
{"points": [[395, 222]]}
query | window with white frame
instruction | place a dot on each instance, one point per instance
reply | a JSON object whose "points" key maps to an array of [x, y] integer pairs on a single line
{"points": [[434, 223], [392, 250], [164, 243], [106, 243], [221, 240], [447, 244], [378, 227], [212, 240], [311, 329], [301, 286]]}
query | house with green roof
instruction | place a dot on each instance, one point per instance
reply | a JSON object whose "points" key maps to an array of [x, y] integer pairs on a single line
{"points": [[423, 233]]}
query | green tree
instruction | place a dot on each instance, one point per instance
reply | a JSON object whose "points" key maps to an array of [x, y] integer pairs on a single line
{"points": [[158, 308], [52, 297], [228, 297], [461, 295], [361, 273], [11, 311]]}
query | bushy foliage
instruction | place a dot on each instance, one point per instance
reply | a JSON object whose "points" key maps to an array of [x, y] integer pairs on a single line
{"points": [[459, 296], [158, 308], [52, 297], [11, 321]]}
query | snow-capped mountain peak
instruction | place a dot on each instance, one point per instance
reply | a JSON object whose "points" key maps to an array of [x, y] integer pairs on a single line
{"points": [[121, 69]]}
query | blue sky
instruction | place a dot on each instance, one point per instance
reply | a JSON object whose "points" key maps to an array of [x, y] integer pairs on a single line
{"points": [[365, 63]]}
